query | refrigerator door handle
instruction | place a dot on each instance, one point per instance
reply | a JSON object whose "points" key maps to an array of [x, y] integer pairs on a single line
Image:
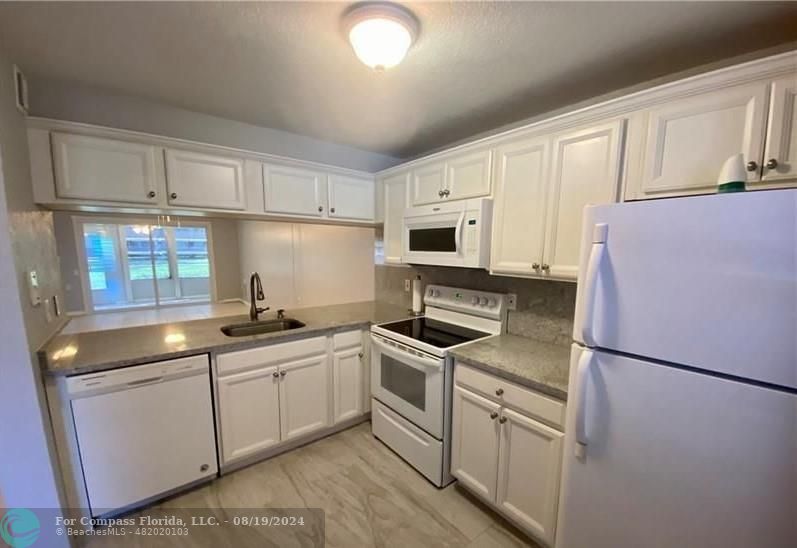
{"points": [[591, 283], [582, 376]]}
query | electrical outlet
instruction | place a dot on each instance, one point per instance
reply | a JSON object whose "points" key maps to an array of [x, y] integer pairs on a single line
{"points": [[511, 301], [407, 285]]}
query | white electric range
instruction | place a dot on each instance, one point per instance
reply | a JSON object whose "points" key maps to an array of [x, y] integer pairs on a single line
{"points": [[412, 373]]}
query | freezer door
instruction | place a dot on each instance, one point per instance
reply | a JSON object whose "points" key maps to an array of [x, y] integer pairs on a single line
{"points": [[704, 281], [673, 458]]}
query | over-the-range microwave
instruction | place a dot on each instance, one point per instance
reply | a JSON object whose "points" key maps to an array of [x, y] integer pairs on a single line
{"points": [[448, 234]]}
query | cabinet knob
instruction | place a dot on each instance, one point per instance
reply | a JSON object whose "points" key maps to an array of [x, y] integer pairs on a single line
{"points": [[173, 195], [204, 468], [499, 392], [332, 210], [320, 209], [440, 193], [752, 166], [502, 420], [275, 374], [283, 373], [546, 267], [535, 266], [151, 194], [446, 192], [360, 355], [493, 415], [772, 163]]}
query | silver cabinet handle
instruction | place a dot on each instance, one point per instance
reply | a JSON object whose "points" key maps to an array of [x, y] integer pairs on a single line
{"points": [[772, 163], [546, 267], [360, 355], [332, 210], [499, 392], [493, 415], [535, 266], [275, 374], [204, 468], [446, 192], [440, 193], [752, 166], [151, 194], [173, 195], [502, 420], [320, 209], [283, 373]]}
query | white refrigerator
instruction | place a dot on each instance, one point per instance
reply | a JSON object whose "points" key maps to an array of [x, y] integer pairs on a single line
{"points": [[682, 415]]}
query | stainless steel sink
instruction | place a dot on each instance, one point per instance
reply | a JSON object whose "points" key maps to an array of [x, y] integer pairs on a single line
{"points": [[258, 328]]}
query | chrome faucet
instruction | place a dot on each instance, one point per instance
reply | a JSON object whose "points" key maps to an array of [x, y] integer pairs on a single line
{"points": [[254, 310]]}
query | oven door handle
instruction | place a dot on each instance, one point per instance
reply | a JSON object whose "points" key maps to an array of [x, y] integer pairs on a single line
{"points": [[405, 357]]}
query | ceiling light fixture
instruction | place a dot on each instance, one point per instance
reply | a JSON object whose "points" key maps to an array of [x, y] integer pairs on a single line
{"points": [[380, 33]]}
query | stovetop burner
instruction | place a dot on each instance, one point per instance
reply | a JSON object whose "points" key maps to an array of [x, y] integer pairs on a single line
{"points": [[434, 332]]}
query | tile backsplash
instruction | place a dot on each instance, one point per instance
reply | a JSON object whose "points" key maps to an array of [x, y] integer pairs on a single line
{"points": [[545, 308]]}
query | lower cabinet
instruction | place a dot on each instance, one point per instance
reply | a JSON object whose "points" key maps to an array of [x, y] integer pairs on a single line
{"points": [[503, 452], [270, 395]]}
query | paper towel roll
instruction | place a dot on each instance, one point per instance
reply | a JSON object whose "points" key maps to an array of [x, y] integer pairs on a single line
{"points": [[417, 296]]}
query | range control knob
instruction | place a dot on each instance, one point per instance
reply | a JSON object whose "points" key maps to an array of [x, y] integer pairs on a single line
{"points": [[490, 303], [474, 301], [431, 292], [483, 301]]}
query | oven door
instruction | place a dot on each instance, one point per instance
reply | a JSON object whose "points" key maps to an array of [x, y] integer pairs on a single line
{"points": [[434, 238], [410, 382]]}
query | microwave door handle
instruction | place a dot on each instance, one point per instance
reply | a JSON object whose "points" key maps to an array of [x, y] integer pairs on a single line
{"points": [[410, 359], [458, 232]]}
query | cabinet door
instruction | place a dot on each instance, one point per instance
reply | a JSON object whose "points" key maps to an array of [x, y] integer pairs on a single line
{"points": [[468, 176], [782, 131], [203, 180], [395, 204], [586, 170], [248, 412], [351, 198], [304, 396], [474, 442], [689, 140], [294, 191], [529, 473], [521, 178], [91, 168], [427, 183], [347, 379]]}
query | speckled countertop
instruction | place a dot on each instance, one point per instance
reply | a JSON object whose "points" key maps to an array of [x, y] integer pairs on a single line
{"points": [[73, 354], [540, 366]]}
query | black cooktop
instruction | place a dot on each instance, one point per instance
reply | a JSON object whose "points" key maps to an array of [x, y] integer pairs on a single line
{"points": [[436, 333]]}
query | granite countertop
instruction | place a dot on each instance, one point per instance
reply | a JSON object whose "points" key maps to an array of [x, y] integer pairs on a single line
{"points": [[76, 353], [543, 367]]}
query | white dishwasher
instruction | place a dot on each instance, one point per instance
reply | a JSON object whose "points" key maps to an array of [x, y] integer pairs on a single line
{"points": [[143, 431]]}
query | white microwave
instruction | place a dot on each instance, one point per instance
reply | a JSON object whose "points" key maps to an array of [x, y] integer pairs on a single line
{"points": [[448, 234]]}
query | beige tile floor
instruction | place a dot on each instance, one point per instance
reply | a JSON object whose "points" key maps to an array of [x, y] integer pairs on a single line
{"points": [[370, 497]]}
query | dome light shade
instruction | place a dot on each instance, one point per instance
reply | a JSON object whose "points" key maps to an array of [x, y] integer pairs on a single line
{"points": [[380, 33]]}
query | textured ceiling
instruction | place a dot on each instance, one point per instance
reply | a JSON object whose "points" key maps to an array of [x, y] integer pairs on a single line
{"points": [[476, 66]]}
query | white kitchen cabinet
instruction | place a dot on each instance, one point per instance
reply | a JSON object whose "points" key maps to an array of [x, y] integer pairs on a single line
{"points": [[396, 190], [347, 381], [248, 412], [780, 156], [468, 176], [506, 447], [521, 181], [350, 198], [93, 168], [203, 180], [585, 170], [529, 472], [428, 183], [474, 442], [304, 396], [689, 139], [294, 191]]}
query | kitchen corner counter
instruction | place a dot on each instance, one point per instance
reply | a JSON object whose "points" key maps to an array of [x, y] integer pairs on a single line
{"points": [[543, 367], [87, 352]]}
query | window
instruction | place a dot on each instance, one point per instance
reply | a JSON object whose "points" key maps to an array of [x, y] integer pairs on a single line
{"points": [[130, 265]]}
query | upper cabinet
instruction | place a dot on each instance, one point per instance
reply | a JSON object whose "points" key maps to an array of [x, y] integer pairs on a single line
{"points": [[395, 191], [351, 198], [537, 220], [294, 191], [780, 156], [90, 168], [202, 180], [456, 178]]}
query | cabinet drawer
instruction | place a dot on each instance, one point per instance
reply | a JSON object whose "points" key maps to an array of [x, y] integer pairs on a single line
{"points": [[348, 339], [233, 362], [529, 402]]}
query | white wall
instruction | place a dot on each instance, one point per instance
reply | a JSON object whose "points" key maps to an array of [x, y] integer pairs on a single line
{"points": [[304, 265], [27, 473], [55, 99]]}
